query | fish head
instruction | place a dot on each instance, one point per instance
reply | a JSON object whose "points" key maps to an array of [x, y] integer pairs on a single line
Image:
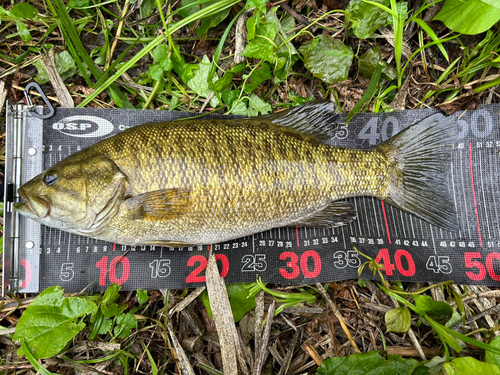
{"points": [[78, 196]]}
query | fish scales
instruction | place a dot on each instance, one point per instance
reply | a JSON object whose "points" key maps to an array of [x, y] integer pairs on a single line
{"points": [[208, 181], [233, 167]]}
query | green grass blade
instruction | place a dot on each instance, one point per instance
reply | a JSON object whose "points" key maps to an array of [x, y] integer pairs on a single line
{"points": [[66, 24], [215, 59], [370, 91], [38, 367], [154, 369], [433, 36], [381, 7], [210, 10]]}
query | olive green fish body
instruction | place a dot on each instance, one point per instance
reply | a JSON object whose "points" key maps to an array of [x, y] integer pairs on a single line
{"points": [[209, 181]]}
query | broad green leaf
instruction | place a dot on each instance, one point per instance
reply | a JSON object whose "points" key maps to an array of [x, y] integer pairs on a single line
{"points": [[108, 308], [259, 4], [147, 8], [366, 18], [426, 304], [252, 23], [105, 325], [491, 357], [257, 105], [23, 10], [37, 366], [50, 321], [468, 366], [327, 58], [371, 363], [469, 17], [239, 108], [65, 65], [23, 31], [42, 76], [398, 320], [142, 296], [257, 77], [239, 299], [199, 82], [229, 97], [369, 61], [183, 70], [124, 324], [262, 46], [156, 72]]}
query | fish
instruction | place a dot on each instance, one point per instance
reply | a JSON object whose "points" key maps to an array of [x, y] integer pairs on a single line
{"points": [[206, 181]]}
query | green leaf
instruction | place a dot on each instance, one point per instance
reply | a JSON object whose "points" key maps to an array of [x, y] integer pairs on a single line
{"points": [[156, 72], [366, 18], [371, 363], [124, 325], [262, 46], [369, 61], [183, 70], [78, 3], [491, 357], [260, 4], [37, 366], [239, 298], [207, 21], [229, 97], [107, 306], [65, 65], [50, 321], [23, 10], [142, 296], [252, 23], [469, 17], [147, 8], [469, 365], [257, 77], [199, 82], [398, 320], [104, 326], [42, 76], [327, 58], [257, 105], [23, 31], [427, 305]]}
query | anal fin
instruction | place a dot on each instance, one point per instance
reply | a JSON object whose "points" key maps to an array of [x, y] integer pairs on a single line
{"points": [[334, 214]]}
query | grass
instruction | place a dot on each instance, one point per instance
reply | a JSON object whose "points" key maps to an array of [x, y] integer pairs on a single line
{"points": [[151, 55]]}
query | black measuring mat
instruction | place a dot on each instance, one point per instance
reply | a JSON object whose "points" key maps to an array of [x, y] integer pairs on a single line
{"points": [[410, 248]]}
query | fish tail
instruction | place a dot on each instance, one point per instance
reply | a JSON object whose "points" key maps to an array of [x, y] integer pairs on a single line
{"points": [[420, 161]]}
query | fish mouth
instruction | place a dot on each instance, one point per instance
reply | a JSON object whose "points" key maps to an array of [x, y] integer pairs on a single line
{"points": [[34, 205]]}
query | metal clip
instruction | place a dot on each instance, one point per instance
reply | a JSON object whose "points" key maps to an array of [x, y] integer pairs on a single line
{"points": [[37, 87]]}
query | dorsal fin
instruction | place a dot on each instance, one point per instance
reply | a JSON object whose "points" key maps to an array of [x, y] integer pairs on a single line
{"points": [[316, 118]]}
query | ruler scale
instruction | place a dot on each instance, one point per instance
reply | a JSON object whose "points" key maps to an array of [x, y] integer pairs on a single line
{"points": [[411, 249]]}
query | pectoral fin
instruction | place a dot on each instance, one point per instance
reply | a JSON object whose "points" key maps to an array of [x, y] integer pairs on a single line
{"points": [[159, 204], [333, 215]]}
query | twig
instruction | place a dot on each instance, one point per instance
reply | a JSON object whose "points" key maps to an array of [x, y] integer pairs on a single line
{"points": [[339, 316], [262, 351]]}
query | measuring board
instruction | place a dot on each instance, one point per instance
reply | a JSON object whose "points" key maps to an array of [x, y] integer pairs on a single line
{"points": [[411, 249]]}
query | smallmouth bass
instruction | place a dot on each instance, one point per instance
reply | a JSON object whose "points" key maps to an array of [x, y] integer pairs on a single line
{"points": [[204, 181]]}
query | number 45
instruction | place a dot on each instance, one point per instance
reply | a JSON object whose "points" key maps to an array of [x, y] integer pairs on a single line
{"points": [[437, 264]]}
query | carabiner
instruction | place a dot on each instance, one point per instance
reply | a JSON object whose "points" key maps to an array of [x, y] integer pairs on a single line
{"points": [[37, 87]]}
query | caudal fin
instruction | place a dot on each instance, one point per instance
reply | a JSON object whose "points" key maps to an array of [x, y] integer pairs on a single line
{"points": [[420, 157]]}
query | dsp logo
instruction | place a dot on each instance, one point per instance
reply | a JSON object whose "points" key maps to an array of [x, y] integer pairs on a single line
{"points": [[84, 126]]}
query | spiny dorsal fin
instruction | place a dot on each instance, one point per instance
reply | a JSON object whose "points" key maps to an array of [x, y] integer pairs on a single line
{"points": [[332, 215], [316, 118], [159, 204]]}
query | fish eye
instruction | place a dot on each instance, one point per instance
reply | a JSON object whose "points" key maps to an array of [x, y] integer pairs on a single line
{"points": [[49, 179]]}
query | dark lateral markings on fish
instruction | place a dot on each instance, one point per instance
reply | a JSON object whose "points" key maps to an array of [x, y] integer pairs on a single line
{"points": [[409, 247]]}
